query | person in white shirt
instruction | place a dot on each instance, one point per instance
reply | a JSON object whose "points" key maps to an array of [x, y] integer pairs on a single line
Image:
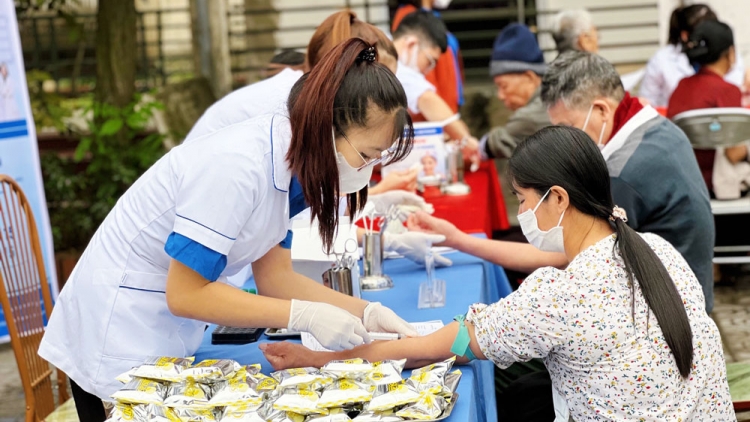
{"points": [[623, 329], [154, 274], [420, 39], [670, 65]]}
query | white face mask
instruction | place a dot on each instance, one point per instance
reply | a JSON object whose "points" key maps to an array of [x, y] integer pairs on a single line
{"points": [[549, 241], [411, 59], [441, 4], [350, 180], [600, 144]]}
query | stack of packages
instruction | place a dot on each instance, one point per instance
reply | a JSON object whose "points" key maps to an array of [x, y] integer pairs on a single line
{"points": [[172, 390]]}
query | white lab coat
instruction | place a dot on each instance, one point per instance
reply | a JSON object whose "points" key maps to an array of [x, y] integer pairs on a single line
{"points": [[8, 108], [227, 191], [415, 85], [668, 67], [268, 96]]}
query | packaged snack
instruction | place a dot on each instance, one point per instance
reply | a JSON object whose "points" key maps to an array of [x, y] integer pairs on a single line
{"points": [[212, 370], [451, 383], [123, 412], [264, 383], [237, 390], [126, 377], [339, 417], [284, 416], [163, 368], [345, 392], [431, 378], [355, 369], [185, 414], [305, 378], [188, 394], [142, 391], [386, 416], [387, 397], [301, 401], [252, 369], [245, 412], [428, 407], [386, 372]]}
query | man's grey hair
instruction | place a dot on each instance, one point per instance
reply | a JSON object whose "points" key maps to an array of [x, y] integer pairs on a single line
{"points": [[578, 78], [568, 25]]}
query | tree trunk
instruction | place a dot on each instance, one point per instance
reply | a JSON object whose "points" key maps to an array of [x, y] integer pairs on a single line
{"points": [[116, 52]]}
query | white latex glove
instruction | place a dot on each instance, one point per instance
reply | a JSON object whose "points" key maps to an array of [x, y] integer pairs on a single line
{"points": [[379, 319], [335, 328], [414, 246], [383, 201]]}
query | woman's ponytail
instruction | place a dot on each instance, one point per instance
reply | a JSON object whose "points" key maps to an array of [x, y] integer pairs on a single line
{"points": [[337, 94], [566, 157], [659, 291]]}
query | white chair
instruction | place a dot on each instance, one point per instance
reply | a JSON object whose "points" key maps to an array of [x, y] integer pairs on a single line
{"points": [[721, 127]]}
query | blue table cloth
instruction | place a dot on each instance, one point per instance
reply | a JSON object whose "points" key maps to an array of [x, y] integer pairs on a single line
{"points": [[469, 280]]}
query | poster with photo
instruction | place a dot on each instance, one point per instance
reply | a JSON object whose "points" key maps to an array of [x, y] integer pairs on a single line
{"points": [[428, 152], [19, 155]]}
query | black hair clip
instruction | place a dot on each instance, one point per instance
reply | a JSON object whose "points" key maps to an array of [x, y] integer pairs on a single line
{"points": [[368, 54]]}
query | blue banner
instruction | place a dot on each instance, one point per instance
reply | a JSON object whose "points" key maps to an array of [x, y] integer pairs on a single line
{"points": [[19, 155]]}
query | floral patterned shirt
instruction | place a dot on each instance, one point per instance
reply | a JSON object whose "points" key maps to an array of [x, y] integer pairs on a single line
{"points": [[580, 321]]}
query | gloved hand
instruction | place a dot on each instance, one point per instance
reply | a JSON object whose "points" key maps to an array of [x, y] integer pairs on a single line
{"points": [[383, 201], [379, 319], [335, 328], [414, 246]]}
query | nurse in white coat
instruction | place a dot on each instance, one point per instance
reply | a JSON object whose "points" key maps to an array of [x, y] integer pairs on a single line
{"points": [[146, 284]]}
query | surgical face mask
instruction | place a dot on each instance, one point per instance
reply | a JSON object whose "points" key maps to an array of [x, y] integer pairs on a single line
{"points": [[599, 143], [441, 4], [548, 241], [411, 59], [350, 179]]}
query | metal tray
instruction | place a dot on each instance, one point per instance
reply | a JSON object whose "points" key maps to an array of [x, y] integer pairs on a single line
{"points": [[447, 412], [274, 333]]}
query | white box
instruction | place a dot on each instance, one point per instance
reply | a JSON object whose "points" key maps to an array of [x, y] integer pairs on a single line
{"points": [[308, 257], [429, 150]]}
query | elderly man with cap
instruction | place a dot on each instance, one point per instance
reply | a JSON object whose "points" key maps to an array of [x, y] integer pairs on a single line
{"points": [[517, 67]]}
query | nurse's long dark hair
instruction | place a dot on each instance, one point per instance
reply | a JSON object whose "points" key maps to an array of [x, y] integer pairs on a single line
{"points": [[566, 157], [337, 93]]}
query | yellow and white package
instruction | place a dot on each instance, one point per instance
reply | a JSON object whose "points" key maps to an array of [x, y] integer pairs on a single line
{"points": [[305, 378], [126, 377], [431, 378], [386, 372], [385, 416], [345, 392], [428, 407], [185, 414], [387, 397], [245, 412], [451, 383], [212, 370], [252, 369], [142, 391], [163, 368], [304, 402], [188, 394], [239, 390], [123, 412], [265, 383], [336, 415], [284, 416], [355, 369]]}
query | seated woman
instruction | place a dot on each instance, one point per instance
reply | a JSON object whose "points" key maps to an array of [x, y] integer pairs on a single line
{"points": [[623, 330], [725, 170]]}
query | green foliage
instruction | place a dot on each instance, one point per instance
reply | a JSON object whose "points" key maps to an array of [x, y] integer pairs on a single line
{"points": [[47, 108], [115, 153]]}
